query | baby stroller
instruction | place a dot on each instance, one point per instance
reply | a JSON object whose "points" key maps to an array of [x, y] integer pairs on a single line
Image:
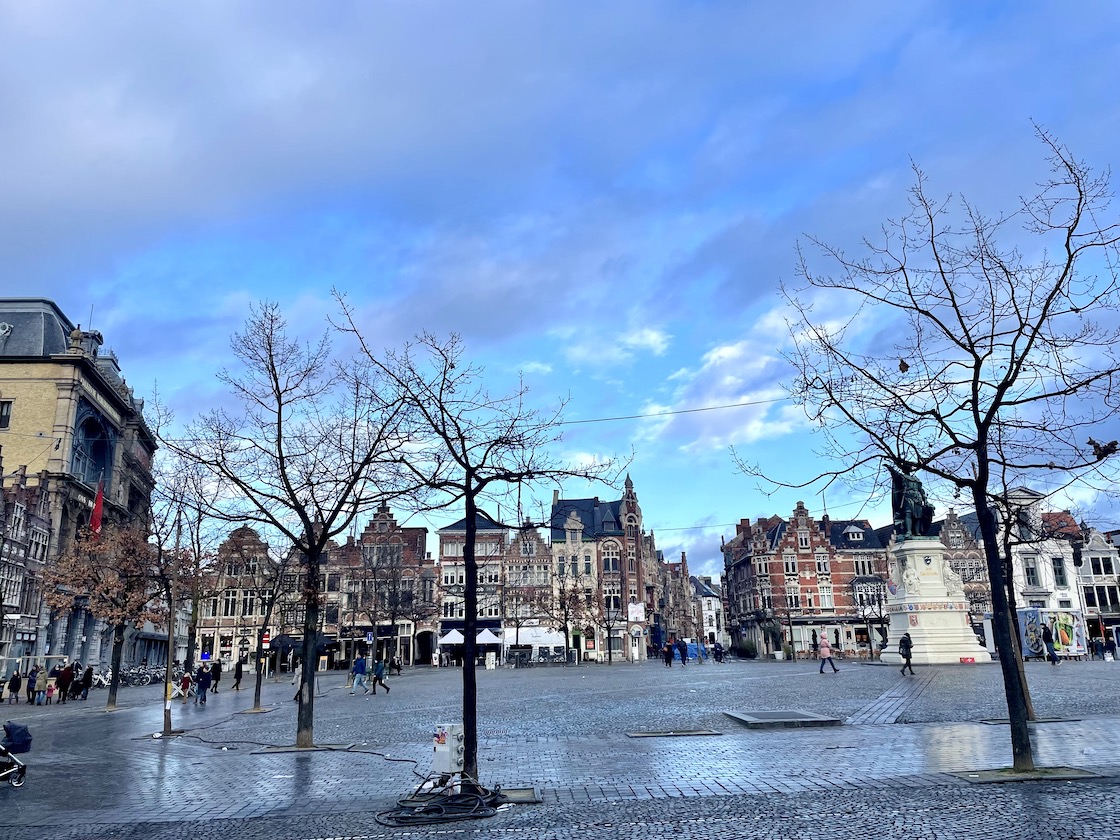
{"points": [[16, 740]]}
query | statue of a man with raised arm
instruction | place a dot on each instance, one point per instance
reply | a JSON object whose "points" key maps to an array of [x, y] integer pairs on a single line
{"points": [[912, 514]]}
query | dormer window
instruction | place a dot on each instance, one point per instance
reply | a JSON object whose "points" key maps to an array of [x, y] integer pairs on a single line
{"points": [[853, 534]]}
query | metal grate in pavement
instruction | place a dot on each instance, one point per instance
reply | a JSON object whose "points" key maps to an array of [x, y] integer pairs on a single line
{"points": [[672, 733]]}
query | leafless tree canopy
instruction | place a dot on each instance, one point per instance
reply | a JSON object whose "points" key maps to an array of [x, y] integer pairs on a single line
{"points": [[941, 345], [980, 364]]}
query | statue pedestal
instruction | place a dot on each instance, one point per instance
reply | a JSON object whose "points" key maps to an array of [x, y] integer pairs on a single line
{"points": [[929, 603]]}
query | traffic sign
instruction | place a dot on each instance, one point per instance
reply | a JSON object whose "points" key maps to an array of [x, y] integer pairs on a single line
{"points": [[369, 638], [264, 640]]}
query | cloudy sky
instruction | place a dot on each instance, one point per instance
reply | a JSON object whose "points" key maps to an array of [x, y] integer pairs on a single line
{"points": [[603, 196]]}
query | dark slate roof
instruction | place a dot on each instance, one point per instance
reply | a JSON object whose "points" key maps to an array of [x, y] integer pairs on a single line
{"points": [[599, 518], [871, 539], [702, 589], [34, 327], [482, 520], [775, 534]]}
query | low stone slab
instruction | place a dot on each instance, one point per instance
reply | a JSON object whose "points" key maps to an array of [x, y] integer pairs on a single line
{"points": [[672, 733], [782, 718], [1039, 774]]}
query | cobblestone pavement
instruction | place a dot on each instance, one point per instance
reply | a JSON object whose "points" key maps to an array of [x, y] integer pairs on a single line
{"points": [[567, 732]]}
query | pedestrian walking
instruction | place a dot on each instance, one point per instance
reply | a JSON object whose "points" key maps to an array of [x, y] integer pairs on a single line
{"points": [[185, 685], [395, 664], [238, 673], [667, 654], [216, 674], [87, 681], [1110, 650], [906, 651], [824, 654], [30, 683], [359, 672], [202, 684], [65, 677], [718, 653], [682, 649], [42, 694], [1048, 643], [379, 675], [15, 683]]}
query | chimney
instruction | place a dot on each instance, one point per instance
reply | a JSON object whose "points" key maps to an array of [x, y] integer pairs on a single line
{"points": [[555, 497]]}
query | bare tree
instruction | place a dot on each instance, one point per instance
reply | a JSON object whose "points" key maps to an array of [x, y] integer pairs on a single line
{"points": [[563, 603], [467, 446], [308, 448], [968, 361]]}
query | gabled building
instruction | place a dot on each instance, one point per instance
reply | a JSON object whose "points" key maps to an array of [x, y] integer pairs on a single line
{"points": [[709, 616], [25, 534], [791, 580], [602, 548]]}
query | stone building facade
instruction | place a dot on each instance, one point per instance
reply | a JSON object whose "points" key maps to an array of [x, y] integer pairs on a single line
{"points": [[68, 417]]}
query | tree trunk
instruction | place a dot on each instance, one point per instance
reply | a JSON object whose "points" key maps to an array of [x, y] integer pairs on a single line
{"points": [[118, 654], [169, 676], [1023, 758], [305, 717], [470, 639], [258, 676]]}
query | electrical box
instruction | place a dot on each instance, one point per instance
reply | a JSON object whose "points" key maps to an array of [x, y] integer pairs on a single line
{"points": [[447, 752]]}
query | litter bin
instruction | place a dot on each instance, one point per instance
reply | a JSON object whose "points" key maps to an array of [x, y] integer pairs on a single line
{"points": [[572, 653]]}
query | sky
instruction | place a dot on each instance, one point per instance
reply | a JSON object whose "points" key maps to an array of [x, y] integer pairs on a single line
{"points": [[601, 197]]}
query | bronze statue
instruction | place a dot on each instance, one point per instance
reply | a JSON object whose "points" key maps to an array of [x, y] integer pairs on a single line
{"points": [[913, 515]]}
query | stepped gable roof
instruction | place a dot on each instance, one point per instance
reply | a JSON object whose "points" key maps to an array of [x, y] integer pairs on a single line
{"points": [[33, 327], [842, 532], [599, 518], [775, 534], [483, 522]]}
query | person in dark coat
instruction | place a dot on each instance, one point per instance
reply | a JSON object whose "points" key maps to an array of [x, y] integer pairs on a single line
{"points": [[216, 673], [682, 648], [32, 679], [87, 681], [65, 677], [667, 654], [202, 683], [15, 683], [1048, 643], [238, 673]]}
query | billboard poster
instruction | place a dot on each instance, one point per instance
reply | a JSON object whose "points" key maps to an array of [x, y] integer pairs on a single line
{"points": [[636, 612], [1067, 627]]}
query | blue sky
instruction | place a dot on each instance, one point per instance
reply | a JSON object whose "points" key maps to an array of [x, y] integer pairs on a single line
{"points": [[604, 196]]}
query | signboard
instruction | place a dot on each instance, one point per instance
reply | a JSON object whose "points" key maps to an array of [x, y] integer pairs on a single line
{"points": [[369, 638], [636, 612], [265, 640]]}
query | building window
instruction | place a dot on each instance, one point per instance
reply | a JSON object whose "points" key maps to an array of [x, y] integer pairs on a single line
{"points": [[823, 566], [791, 564], [249, 602], [1030, 567], [1090, 596], [610, 558], [1059, 572], [793, 599], [803, 540], [1065, 603], [863, 565], [528, 548], [229, 603], [587, 564], [5, 413], [825, 594]]}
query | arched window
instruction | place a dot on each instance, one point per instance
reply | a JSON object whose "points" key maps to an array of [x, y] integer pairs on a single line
{"points": [[92, 459]]}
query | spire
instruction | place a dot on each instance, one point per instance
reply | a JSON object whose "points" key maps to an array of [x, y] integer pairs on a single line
{"points": [[629, 484]]}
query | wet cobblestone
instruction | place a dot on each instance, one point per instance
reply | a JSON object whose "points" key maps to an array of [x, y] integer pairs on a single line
{"points": [[563, 731]]}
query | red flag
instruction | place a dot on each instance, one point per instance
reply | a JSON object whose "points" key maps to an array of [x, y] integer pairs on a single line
{"points": [[98, 505]]}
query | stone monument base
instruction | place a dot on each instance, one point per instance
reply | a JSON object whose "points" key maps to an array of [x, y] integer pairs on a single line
{"points": [[929, 602]]}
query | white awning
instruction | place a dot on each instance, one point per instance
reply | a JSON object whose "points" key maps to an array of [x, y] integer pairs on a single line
{"points": [[487, 637], [453, 637]]}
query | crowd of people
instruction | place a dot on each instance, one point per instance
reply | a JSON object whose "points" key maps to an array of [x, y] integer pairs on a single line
{"points": [[42, 686]]}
